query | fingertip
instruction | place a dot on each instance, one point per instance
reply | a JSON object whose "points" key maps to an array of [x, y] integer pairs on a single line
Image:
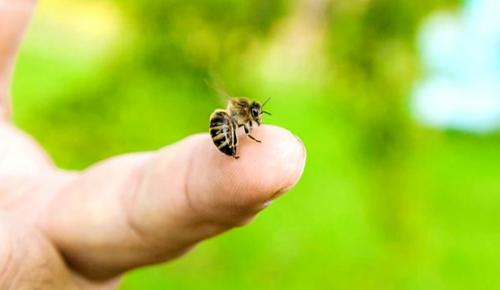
{"points": [[276, 164], [263, 171]]}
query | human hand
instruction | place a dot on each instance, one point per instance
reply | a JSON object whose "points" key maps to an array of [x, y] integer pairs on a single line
{"points": [[82, 230]]}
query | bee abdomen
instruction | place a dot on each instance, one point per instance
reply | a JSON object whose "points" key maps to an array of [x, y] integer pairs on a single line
{"points": [[223, 132]]}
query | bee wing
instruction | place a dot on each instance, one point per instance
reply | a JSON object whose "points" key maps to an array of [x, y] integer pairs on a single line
{"points": [[218, 86]]}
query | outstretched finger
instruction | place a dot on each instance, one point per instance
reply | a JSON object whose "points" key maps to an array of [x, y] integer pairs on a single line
{"points": [[146, 208]]}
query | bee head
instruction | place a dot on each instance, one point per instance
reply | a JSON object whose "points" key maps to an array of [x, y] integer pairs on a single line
{"points": [[256, 111]]}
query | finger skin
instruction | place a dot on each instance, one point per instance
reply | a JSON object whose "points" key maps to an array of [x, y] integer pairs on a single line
{"points": [[147, 208], [28, 260], [14, 17]]}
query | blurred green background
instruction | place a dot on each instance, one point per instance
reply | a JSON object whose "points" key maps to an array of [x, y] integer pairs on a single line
{"points": [[384, 202]]}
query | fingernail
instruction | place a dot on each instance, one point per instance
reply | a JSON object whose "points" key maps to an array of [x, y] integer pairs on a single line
{"points": [[279, 193], [267, 203]]}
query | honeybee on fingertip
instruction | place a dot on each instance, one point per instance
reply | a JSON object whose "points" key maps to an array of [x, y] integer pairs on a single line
{"points": [[224, 123]]}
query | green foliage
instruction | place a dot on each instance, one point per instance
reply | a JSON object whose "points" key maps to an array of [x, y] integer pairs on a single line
{"points": [[383, 204]]}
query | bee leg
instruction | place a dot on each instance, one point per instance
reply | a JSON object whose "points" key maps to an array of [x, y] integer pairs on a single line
{"points": [[247, 132], [236, 156], [244, 127], [253, 138]]}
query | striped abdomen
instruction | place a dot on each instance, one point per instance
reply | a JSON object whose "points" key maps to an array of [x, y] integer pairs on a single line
{"points": [[223, 132]]}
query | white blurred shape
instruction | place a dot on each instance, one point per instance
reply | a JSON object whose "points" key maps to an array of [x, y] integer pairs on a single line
{"points": [[462, 59], [444, 103], [438, 41]]}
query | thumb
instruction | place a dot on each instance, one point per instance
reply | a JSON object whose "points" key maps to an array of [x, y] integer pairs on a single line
{"points": [[147, 208]]}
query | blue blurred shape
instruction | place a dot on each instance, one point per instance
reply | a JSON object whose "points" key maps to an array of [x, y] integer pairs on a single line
{"points": [[461, 55]]}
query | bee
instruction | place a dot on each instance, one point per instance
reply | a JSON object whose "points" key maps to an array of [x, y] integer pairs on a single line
{"points": [[240, 112]]}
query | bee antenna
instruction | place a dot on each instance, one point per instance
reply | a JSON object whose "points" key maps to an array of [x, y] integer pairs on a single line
{"points": [[265, 112], [265, 102]]}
